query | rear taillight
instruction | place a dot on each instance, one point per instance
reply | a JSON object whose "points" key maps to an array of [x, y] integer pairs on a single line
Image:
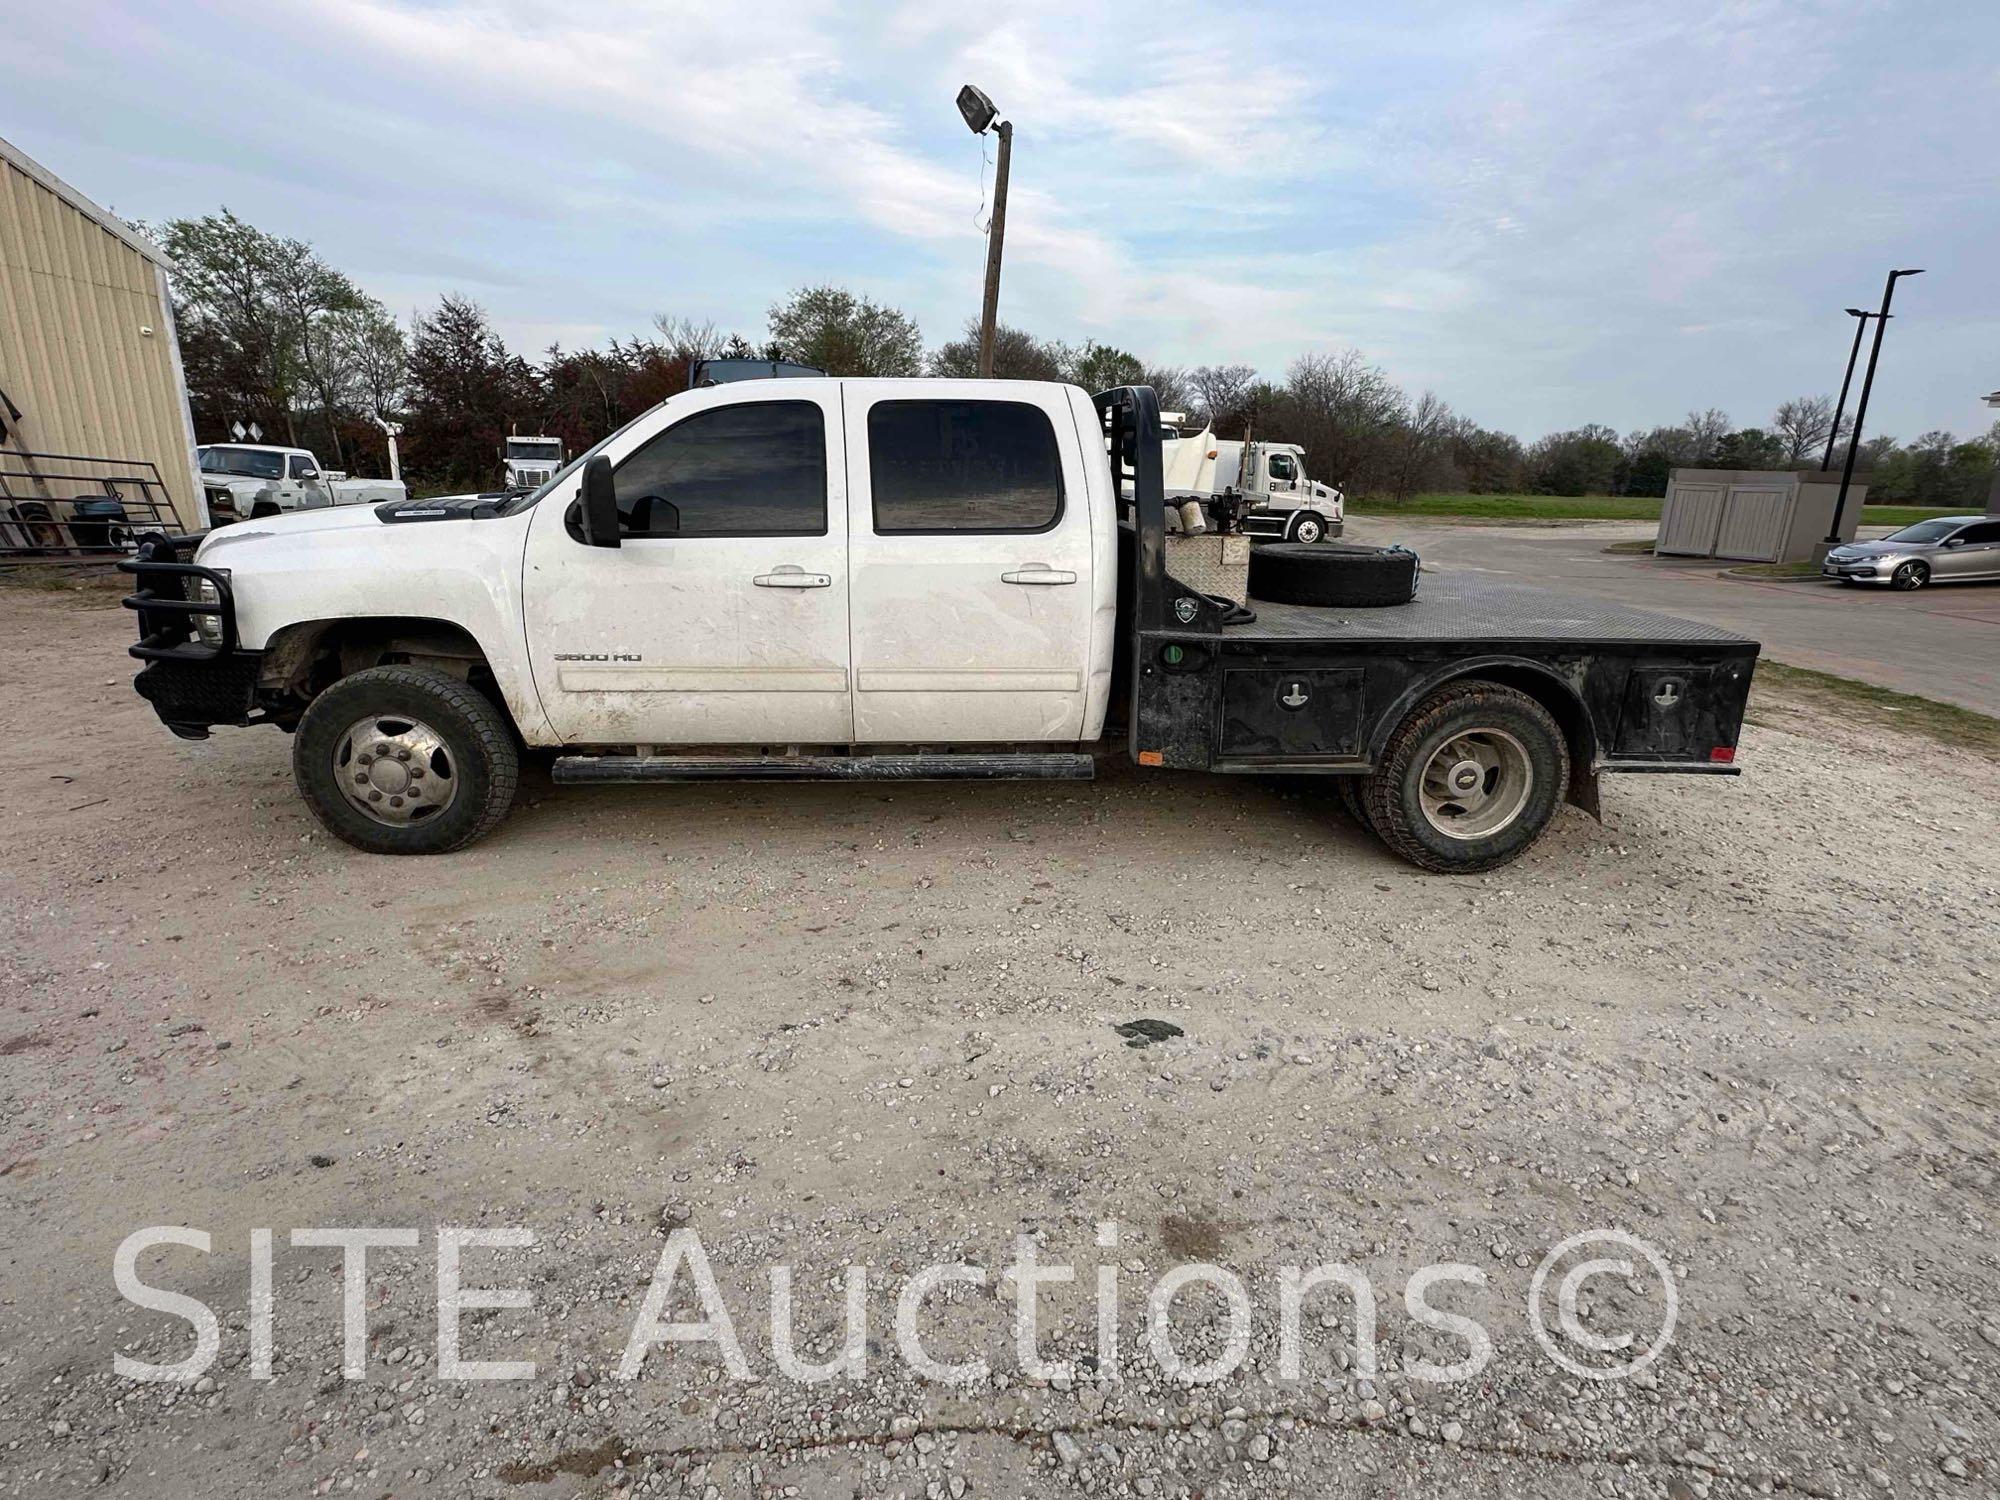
{"points": [[1723, 755]]}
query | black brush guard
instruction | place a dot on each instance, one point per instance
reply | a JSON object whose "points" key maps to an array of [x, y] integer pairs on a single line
{"points": [[192, 684]]}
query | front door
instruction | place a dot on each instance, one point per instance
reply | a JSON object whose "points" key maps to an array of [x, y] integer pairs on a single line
{"points": [[721, 619], [970, 564]]}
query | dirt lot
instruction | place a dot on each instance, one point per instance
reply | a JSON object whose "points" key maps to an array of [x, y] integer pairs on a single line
{"points": [[1751, 1022]]}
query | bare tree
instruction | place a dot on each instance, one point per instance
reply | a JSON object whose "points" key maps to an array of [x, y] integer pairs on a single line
{"points": [[686, 339], [1705, 429], [1221, 392], [1803, 424], [1424, 434]]}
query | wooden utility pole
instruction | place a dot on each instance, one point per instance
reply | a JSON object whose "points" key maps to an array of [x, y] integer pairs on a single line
{"points": [[996, 231]]}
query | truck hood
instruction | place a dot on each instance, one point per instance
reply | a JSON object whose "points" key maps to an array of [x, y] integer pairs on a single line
{"points": [[295, 523]]}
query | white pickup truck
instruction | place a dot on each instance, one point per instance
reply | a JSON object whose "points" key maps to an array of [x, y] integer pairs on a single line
{"points": [[900, 580], [250, 480], [1268, 483]]}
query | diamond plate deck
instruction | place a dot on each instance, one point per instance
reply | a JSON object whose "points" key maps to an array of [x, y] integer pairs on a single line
{"points": [[1463, 606]]}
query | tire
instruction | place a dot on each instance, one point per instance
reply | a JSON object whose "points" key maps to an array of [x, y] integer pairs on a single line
{"points": [[1348, 790], [1910, 575], [262, 509], [1317, 573], [1307, 529], [474, 756], [1458, 731]]}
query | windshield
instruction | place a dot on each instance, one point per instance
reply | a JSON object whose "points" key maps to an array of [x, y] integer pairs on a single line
{"points": [[548, 450], [1924, 531], [245, 463]]}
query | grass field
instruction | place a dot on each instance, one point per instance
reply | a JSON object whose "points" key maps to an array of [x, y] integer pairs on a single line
{"points": [[1531, 508], [1777, 688]]}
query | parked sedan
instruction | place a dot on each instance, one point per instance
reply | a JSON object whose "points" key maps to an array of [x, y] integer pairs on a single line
{"points": [[1946, 549]]}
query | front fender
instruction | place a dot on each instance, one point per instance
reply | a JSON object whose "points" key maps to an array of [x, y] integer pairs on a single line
{"points": [[345, 564]]}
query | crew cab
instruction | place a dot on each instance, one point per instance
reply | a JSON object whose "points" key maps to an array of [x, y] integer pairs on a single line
{"points": [[893, 579], [254, 480]]}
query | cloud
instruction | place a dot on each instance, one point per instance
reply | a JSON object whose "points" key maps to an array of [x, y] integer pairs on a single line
{"points": [[1552, 212]]}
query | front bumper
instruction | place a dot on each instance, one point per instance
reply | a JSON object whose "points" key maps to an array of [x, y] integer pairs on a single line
{"points": [[192, 684], [1868, 570]]}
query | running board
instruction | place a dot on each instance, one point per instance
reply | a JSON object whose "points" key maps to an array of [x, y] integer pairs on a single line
{"points": [[575, 770]]}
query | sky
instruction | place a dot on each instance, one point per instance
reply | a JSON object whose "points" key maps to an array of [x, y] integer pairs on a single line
{"points": [[1550, 213]]}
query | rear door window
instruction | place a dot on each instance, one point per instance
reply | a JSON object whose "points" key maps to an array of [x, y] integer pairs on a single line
{"points": [[954, 465]]}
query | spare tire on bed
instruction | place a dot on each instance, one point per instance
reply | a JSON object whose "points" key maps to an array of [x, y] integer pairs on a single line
{"points": [[1330, 574]]}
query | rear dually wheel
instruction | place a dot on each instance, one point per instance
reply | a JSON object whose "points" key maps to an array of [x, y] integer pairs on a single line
{"points": [[1470, 779]]}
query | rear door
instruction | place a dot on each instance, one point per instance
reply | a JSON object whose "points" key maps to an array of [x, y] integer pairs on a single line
{"points": [[1972, 552], [721, 618], [969, 563]]}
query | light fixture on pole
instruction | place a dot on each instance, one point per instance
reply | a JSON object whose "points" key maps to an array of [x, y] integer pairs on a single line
{"points": [[981, 116], [1861, 407], [1840, 406]]}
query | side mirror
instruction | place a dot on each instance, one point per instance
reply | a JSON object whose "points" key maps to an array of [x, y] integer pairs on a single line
{"points": [[305, 474], [598, 505], [1954, 541]]}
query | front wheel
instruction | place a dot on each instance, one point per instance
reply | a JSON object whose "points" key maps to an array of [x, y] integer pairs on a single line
{"points": [[1308, 528], [405, 760], [1911, 575], [1470, 779]]}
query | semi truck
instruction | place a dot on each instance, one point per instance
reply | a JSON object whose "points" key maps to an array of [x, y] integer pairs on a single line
{"points": [[849, 579], [1266, 484], [529, 462]]}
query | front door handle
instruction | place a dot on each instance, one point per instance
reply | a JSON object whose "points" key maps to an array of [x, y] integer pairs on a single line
{"points": [[1036, 573], [789, 577]]}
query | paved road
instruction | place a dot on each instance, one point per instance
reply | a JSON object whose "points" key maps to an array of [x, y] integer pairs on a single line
{"points": [[1941, 642]]}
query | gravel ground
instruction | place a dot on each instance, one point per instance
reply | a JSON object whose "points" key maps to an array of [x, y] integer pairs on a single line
{"points": [[1749, 1021]]}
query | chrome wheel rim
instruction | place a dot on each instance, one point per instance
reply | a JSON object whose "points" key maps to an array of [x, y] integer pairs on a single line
{"points": [[1475, 784], [1308, 531], [395, 770]]}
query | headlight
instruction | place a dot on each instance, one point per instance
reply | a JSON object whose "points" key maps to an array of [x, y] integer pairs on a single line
{"points": [[208, 627]]}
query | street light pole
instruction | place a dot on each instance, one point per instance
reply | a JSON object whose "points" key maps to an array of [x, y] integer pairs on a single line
{"points": [[980, 116], [1840, 407], [989, 311], [1861, 406]]}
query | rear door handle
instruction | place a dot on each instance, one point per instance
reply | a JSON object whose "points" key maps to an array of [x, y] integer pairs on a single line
{"points": [[1038, 574], [792, 578]]}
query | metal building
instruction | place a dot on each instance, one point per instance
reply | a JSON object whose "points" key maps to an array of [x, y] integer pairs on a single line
{"points": [[96, 440]]}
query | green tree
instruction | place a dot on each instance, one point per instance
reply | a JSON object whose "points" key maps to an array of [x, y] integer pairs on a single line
{"points": [[1099, 367], [1580, 462], [269, 330], [1017, 355], [843, 334], [1752, 448], [466, 390]]}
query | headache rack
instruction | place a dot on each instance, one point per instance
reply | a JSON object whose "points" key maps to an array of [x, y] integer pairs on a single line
{"points": [[168, 603]]}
